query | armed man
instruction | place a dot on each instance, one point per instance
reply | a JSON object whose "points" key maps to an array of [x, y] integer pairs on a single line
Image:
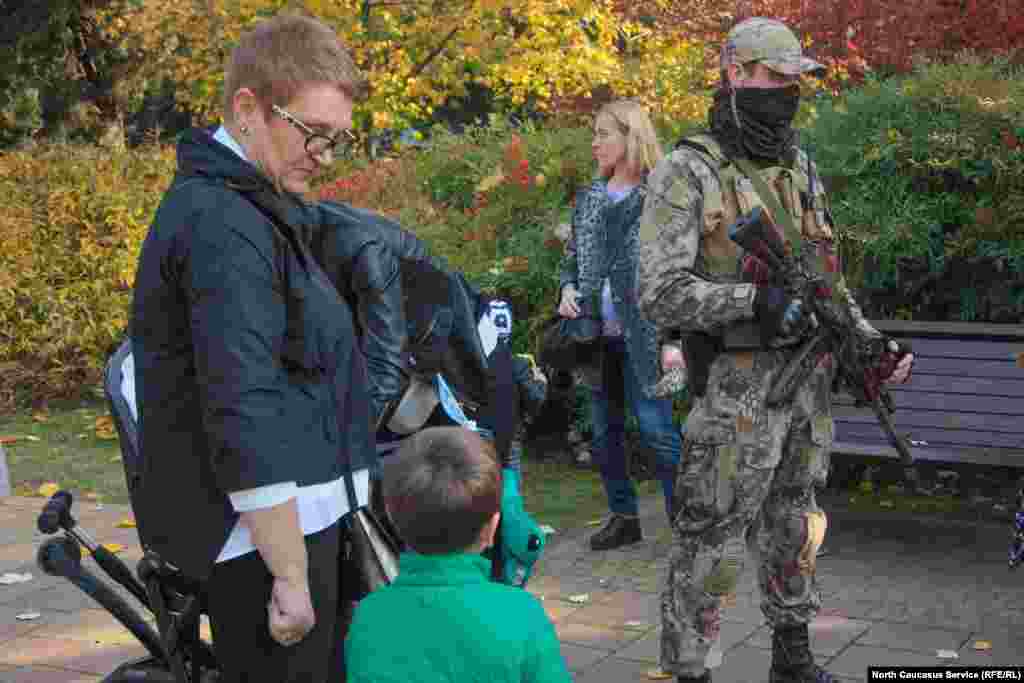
{"points": [[766, 331]]}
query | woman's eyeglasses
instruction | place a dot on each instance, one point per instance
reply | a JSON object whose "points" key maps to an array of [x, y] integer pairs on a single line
{"points": [[318, 144]]}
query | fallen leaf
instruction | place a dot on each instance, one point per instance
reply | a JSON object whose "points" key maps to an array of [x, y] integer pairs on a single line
{"points": [[29, 437], [636, 624], [126, 523], [982, 645], [5, 440], [595, 522], [886, 503], [11, 579], [104, 427], [659, 674], [727, 601], [113, 547], [92, 495], [579, 599], [28, 616], [547, 529], [40, 417], [516, 264], [947, 654], [48, 489]]}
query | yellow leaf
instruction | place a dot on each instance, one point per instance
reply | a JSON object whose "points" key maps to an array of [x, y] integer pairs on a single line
{"points": [[982, 645], [126, 523], [113, 547], [104, 427], [490, 182], [40, 417], [659, 674], [48, 489]]}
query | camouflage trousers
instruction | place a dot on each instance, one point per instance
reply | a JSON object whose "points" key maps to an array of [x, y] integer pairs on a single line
{"points": [[746, 481]]}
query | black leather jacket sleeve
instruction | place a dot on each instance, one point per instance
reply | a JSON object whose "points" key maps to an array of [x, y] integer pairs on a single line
{"points": [[380, 317], [362, 253]]}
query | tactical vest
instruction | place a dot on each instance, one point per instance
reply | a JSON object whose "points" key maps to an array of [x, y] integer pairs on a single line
{"points": [[796, 188]]}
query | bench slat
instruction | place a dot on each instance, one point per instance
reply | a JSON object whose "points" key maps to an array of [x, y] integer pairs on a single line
{"points": [[955, 403], [863, 431], [963, 348], [906, 419], [1007, 387], [974, 368], [1006, 457]]}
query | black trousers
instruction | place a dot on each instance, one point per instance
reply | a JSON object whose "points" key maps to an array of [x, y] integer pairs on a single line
{"points": [[237, 595]]}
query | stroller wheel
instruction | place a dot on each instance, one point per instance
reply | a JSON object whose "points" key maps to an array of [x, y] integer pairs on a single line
{"points": [[151, 670]]}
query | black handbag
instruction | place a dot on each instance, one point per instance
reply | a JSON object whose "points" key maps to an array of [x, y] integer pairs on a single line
{"points": [[567, 343], [370, 551]]}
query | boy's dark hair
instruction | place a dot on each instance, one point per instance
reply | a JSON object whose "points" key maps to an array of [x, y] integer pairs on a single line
{"points": [[441, 488]]}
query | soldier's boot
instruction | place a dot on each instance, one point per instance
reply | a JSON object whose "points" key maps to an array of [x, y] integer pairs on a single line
{"points": [[792, 661], [617, 532], [705, 678]]}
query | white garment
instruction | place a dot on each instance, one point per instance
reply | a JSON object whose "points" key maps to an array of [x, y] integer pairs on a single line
{"points": [[320, 505]]}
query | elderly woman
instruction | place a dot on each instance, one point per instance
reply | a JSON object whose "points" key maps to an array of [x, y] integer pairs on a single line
{"points": [[599, 272], [252, 391]]}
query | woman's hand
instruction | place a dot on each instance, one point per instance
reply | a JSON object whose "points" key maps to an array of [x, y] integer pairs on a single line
{"points": [[672, 357], [568, 308], [290, 610]]}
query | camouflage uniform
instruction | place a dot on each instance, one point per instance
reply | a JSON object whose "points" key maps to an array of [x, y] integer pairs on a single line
{"points": [[748, 473]]}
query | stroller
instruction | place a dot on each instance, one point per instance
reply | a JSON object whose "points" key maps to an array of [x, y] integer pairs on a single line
{"points": [[176, 652]]}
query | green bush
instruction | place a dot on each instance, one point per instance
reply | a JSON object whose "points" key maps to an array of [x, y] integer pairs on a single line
{"points": [[927, 167]]}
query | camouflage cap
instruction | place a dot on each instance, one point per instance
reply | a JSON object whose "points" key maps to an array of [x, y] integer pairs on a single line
{"points": [[769, 42]]}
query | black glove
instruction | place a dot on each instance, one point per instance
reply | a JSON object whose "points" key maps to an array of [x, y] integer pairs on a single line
{"points": [[778, 314]]}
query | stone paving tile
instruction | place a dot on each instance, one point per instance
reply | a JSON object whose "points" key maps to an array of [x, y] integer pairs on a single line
{"points": [[67, 653], [913, 637], [625, 606], [829, 634], [597, 637], [854, 661], [92, 625], [744, 664], [44, 675], [578, 658], [11, 628], [614, 670], [646, 649]]}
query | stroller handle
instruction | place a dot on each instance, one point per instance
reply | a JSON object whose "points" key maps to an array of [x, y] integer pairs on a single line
{"points": [[62, 557], [56, 513]]}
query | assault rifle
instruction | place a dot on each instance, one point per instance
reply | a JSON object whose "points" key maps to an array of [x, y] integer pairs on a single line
{"points": [[856, 354]]}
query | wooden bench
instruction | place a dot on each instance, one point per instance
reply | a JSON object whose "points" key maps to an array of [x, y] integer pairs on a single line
{"points": [[964, 402]]}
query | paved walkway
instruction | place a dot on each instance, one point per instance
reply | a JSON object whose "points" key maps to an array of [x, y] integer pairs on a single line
{"points": [[897, 590]]}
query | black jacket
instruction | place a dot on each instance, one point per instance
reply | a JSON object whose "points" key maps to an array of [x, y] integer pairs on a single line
{"points": [[247, 368], [363, 254]]}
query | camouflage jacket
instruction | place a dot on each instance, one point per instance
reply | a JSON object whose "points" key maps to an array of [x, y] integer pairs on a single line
{"points": [[689, 273], [594, 252]]}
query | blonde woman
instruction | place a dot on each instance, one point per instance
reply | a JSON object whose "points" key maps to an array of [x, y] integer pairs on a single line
{"points": [[599, 271]]}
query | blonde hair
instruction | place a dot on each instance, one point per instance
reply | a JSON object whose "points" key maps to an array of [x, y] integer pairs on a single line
{"points": [[643, 151], [280, 56]]}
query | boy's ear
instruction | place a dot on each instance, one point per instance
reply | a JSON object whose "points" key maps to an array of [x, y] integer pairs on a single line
{"points": [[491, 528]]}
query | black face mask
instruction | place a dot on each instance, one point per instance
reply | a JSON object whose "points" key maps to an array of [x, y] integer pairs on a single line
{"points": [[765, 121]]}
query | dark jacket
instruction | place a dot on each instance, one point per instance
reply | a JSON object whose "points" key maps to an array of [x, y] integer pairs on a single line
{"points": [[604, 244], [247, 369], [362, 254]]}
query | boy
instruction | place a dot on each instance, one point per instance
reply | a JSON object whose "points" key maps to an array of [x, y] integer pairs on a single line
{"points": [[443, 620]]}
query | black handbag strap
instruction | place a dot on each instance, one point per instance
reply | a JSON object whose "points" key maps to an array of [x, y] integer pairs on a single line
{"points": [[350, 491]]}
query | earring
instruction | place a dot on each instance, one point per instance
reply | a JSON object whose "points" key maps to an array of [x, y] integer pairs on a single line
{"points": [[243, 129]]}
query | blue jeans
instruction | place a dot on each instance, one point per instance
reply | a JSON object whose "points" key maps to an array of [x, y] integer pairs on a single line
{"points": [[619, 388]]}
